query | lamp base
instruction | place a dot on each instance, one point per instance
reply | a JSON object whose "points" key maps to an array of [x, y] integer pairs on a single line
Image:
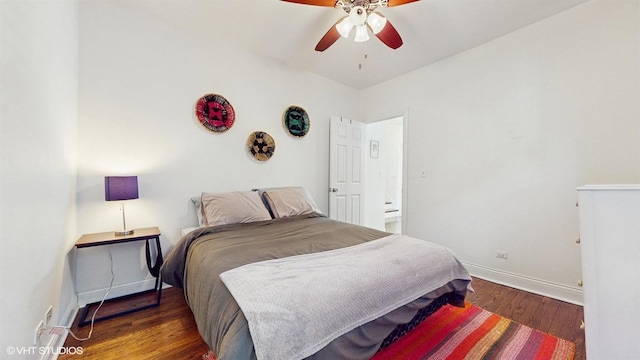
{"points": [[124, 233]]}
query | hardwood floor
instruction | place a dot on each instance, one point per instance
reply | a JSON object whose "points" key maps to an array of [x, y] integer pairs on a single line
{"points": [[164, 332], [545, 314], [169, 331]]}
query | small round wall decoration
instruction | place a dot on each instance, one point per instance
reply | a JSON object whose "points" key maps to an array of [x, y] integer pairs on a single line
{"points": [[261, 145], [296, 121], [215, 113]]}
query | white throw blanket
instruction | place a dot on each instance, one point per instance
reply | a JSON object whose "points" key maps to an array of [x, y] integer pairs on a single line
{"points": [[297, 305]]}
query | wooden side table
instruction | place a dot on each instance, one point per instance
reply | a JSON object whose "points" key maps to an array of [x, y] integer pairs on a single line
{"points": [[110, 238]]}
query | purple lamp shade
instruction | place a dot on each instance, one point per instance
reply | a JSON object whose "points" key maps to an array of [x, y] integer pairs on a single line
{"points": [[120, 188]]}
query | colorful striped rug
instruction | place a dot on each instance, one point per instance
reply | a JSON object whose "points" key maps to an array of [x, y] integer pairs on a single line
{"points": [[474, 333]]}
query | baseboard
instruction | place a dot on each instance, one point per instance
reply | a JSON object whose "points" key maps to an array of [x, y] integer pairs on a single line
{"points": [[70, 312], [550, 289], [92, 296]]}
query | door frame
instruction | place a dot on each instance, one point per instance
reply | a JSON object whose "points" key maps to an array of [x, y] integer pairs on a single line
{"points": [[404, 113]]}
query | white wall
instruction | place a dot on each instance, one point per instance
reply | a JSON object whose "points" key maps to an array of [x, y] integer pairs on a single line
{"points": [[139, 81], [509, 129], [38, 94]]}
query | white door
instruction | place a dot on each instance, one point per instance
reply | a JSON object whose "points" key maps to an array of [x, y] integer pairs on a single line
{"points": [[346, 187]]}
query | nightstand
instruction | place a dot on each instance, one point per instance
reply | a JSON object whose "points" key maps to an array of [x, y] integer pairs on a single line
{"points": [[110, 238]]}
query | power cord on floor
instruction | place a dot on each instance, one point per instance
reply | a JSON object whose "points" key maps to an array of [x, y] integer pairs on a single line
{"points": [[56, 329]]}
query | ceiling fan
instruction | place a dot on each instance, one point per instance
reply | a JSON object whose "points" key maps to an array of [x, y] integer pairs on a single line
{"points": [[361, 15]]}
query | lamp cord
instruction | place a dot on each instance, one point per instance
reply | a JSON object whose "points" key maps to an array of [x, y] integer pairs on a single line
{"points": [[93, 318]]}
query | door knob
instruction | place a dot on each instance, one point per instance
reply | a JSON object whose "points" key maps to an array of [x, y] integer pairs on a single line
{"points": [[333, 190]]}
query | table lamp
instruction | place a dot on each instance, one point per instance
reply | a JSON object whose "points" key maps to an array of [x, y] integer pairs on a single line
{"points": [[121, 188]]}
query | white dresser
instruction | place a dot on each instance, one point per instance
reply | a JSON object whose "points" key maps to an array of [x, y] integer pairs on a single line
{"points": [[610, 246]]}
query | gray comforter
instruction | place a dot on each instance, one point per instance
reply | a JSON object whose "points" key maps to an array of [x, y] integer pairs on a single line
{"points": [[201, 256]]}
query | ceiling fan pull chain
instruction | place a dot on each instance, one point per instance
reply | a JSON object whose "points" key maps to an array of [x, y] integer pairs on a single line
{"points": [[365, 56]]}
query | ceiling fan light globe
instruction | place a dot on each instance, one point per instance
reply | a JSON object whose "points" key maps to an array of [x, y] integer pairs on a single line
{"points": [[358, 15], [361, 34], [376, 22], [344, 27]]}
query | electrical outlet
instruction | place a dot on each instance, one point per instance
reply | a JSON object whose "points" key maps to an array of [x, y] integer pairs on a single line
{"points": [[37, 332], [48, 315], [502, 254]]}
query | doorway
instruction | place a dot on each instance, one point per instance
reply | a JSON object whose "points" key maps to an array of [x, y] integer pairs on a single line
{"points": [[384, 174]]}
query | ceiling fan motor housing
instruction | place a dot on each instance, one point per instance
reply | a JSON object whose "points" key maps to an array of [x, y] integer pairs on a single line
{"points": [[367, 5], [358, 15]]}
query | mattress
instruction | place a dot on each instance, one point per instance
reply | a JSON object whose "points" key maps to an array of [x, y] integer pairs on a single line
{"points": [[199, 258]]}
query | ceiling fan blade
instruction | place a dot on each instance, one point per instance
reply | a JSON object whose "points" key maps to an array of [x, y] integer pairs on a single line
{"points": [[330, 37], [389, 36], [328, 3], [391, 3]]}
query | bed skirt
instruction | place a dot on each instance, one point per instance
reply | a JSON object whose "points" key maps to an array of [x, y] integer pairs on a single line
{"points": [[437, 303]]}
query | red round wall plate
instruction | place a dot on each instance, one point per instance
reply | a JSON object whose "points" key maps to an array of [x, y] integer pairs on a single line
{"points": [[215, 113]]}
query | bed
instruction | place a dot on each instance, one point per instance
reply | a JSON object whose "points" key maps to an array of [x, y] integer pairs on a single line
{"points": [[268, 276]]}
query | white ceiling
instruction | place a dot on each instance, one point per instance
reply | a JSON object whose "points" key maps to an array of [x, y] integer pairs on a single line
{"points": [[431, 29]]}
